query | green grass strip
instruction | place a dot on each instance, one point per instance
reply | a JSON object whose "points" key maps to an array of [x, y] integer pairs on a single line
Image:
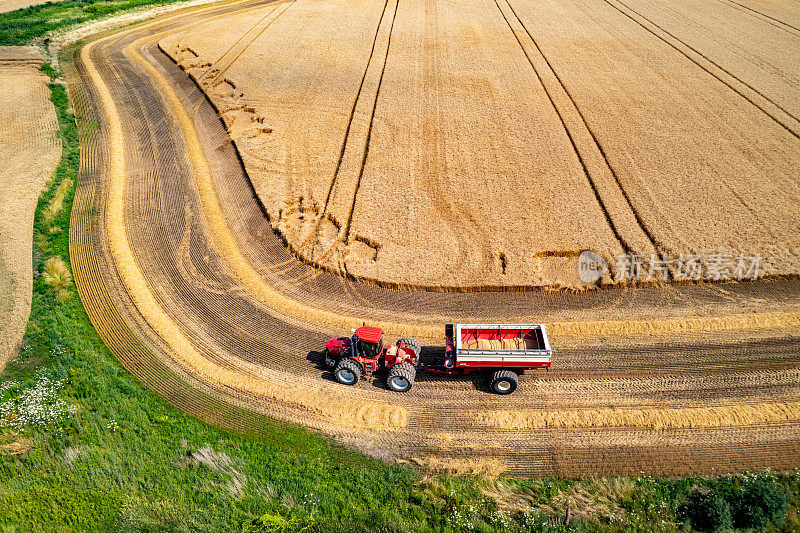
{"points": [[32, 23]]}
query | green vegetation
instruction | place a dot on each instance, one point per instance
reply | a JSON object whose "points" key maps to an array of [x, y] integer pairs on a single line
{"points": [[85, 447], [755, 503], [759, 504], [34, 22], [706, 510]]}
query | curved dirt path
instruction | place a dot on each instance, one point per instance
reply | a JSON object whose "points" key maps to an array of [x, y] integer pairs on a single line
{"points": [[188, 285]]}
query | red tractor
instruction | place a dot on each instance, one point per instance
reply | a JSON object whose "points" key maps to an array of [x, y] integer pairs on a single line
{"points": [[501, 351], [364, 353]]}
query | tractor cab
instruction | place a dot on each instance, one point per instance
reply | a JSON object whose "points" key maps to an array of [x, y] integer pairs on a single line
{"points": [[365, 344], [368, 342]]}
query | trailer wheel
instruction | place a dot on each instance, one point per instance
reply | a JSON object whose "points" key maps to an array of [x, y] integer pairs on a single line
{"points": [[401, 377], [412, 343], [348, 372], [504, 382]]}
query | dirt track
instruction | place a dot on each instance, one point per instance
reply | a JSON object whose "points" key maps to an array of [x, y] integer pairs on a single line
{"points": [[198, 316]]}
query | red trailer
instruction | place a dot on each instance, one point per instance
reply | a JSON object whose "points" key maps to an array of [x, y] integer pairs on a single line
{"points": [[501, 350]]}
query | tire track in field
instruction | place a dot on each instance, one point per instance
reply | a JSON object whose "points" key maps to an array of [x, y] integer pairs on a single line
{"points": [[235, 51], [778, 23], [612, 197], [314, 234], [346, 235], [764, 103], [126, 344]]}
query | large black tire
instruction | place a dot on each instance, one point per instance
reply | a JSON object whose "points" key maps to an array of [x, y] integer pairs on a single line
{"points": [[412, 343], [348, 372], [504, 382], [401, 377]]}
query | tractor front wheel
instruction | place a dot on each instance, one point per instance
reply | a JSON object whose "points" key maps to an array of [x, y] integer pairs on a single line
{"points": [[504, 382], [348, 372], [401, 377]]}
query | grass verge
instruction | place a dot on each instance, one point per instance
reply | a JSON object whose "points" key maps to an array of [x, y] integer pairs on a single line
{"points": [[29, 24]]}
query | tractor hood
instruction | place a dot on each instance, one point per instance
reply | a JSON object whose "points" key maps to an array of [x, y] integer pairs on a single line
{"points": [[338, 344]]}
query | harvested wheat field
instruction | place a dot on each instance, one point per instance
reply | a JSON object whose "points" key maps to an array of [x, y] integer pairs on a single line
{"points": [[451, 145], [196, 293], [30, 151]]}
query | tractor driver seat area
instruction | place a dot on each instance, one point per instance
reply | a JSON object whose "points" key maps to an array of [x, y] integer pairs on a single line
{"points": [[370, 349], [369, 341]]}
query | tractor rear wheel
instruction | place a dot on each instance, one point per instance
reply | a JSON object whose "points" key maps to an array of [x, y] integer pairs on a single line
{"points": [[412, 343], [504, 382], [401, 377], [348, 372]]}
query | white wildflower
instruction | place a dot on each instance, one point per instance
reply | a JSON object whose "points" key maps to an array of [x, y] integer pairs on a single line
{"points": [[36, 406]]}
